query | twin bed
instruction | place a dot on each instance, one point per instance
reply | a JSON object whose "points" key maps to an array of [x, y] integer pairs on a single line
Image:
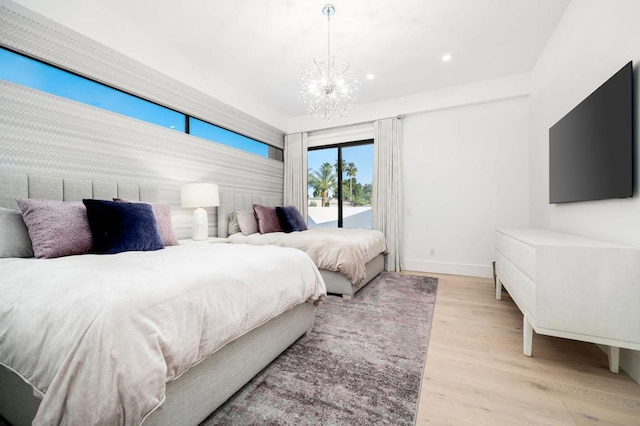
{"points": [[348, 259], [156, 337]]}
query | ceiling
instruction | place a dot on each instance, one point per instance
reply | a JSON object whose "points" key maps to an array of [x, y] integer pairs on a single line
{"points": [[251, 52]]}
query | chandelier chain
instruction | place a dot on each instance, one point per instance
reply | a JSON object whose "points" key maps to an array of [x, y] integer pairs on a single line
{"points": [[328, 35]]}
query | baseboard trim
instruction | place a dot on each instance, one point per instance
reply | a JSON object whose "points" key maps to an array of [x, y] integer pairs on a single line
{"points": [[470, 270]]}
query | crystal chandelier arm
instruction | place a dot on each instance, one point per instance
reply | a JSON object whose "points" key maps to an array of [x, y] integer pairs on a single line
{"points": [[318, 66]]}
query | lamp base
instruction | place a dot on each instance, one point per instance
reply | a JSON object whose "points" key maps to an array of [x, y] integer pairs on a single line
{"points": [[200, 229]]}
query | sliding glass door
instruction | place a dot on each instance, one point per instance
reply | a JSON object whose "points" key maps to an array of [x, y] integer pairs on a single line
{"points": [[357, 182], [340, 185]]}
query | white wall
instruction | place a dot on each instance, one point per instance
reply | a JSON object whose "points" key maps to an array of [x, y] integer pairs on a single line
{"points": [[593, 40], [465, 174]]}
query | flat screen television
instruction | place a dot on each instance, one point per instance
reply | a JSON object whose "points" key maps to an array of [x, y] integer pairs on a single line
{"points": [[591, 148]]}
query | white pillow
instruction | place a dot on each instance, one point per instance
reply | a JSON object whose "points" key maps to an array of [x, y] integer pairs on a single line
{"points": [[14, 236], [247, 221]]}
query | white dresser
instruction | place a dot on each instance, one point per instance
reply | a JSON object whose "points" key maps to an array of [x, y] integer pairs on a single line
{"points": [[572, 287]]}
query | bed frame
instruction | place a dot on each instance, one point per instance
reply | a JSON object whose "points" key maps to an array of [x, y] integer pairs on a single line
{"points": [[198, 392], [336, 283]]}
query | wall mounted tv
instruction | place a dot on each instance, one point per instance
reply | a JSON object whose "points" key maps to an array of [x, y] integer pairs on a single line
{"points": [[591, 148]]}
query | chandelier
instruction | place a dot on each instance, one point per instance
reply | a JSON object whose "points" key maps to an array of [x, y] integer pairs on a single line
{"points": [[328, 86]]}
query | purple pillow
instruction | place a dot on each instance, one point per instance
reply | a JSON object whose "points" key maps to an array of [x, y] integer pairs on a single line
{"points": [[267, 219], [290, 219], [162, 213], [118, 226], [56, 228]]}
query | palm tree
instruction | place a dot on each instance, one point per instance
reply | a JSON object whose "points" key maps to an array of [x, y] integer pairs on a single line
{"points": [[322, 181], [352, 171]]}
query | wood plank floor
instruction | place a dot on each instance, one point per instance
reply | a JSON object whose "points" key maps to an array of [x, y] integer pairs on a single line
{"points": [[475, 373]]}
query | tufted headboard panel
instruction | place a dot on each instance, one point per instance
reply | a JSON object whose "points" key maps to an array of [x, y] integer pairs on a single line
{"points": [[231, 201], [13, 185]]}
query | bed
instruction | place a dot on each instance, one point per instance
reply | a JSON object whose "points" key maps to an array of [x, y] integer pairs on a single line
{"points": [[159, 337], [348, 259]]}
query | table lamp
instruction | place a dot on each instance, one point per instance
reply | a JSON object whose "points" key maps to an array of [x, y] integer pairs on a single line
{"points": [[199, 195]]}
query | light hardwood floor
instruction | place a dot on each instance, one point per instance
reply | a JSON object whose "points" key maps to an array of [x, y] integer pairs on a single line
{"points": [[475, 373]]}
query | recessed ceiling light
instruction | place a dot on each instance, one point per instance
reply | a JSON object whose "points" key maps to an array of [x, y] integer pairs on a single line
{"points": [[446, 58], [370, 76]]}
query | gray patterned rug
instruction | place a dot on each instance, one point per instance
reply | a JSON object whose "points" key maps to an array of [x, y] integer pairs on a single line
{"points": [[361, 365]]}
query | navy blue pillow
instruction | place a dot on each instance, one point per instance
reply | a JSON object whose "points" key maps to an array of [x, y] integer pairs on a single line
{"points": [[117, 227], [290, 219]]}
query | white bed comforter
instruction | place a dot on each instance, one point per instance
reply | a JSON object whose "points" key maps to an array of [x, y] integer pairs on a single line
{"points": [[98, 336], [342, 250]]}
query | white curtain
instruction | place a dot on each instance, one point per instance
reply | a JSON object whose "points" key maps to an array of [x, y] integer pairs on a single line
{"points": [[387, 188], [295, 171]]}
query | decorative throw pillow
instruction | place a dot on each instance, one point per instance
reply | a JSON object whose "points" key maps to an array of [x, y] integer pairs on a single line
{"points": [[290, 219], [267, 219], [56, 228], [14, 235], [120, 226], [162, 213], [234, 227], [247, 222]]}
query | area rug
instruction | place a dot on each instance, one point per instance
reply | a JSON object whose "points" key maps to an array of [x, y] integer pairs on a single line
{"points": [[361, 364]]}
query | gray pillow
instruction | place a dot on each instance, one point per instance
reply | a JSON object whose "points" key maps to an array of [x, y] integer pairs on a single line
{"points": [[14, 236], [247, 221], [234, 227]]}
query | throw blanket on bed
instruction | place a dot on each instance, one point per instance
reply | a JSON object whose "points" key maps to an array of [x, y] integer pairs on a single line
{"points": [[342, 250], [98, 336]]}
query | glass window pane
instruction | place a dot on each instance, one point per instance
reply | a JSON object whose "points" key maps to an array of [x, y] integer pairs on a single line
{"points": [[322, 188], [218, 134], [357, 185], [29, 72]]}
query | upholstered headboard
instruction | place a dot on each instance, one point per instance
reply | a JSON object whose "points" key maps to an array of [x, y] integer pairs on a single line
{"points": [[231, 201], [14, 186]]}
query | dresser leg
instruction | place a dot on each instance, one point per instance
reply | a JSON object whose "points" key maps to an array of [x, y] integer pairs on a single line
{"points": [[498, 289], [527, 336], [614, 359]]}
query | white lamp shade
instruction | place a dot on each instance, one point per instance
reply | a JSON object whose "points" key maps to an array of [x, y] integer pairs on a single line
{"points": [[199, 194]]}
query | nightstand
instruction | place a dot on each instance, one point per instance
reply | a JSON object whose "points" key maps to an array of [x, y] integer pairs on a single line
{"points": [[210, 240]]}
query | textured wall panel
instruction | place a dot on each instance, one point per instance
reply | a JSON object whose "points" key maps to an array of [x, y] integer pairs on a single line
{"points": [[46, 188], [77, 189], [28, 32], [12, 186], [45, 135]]}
